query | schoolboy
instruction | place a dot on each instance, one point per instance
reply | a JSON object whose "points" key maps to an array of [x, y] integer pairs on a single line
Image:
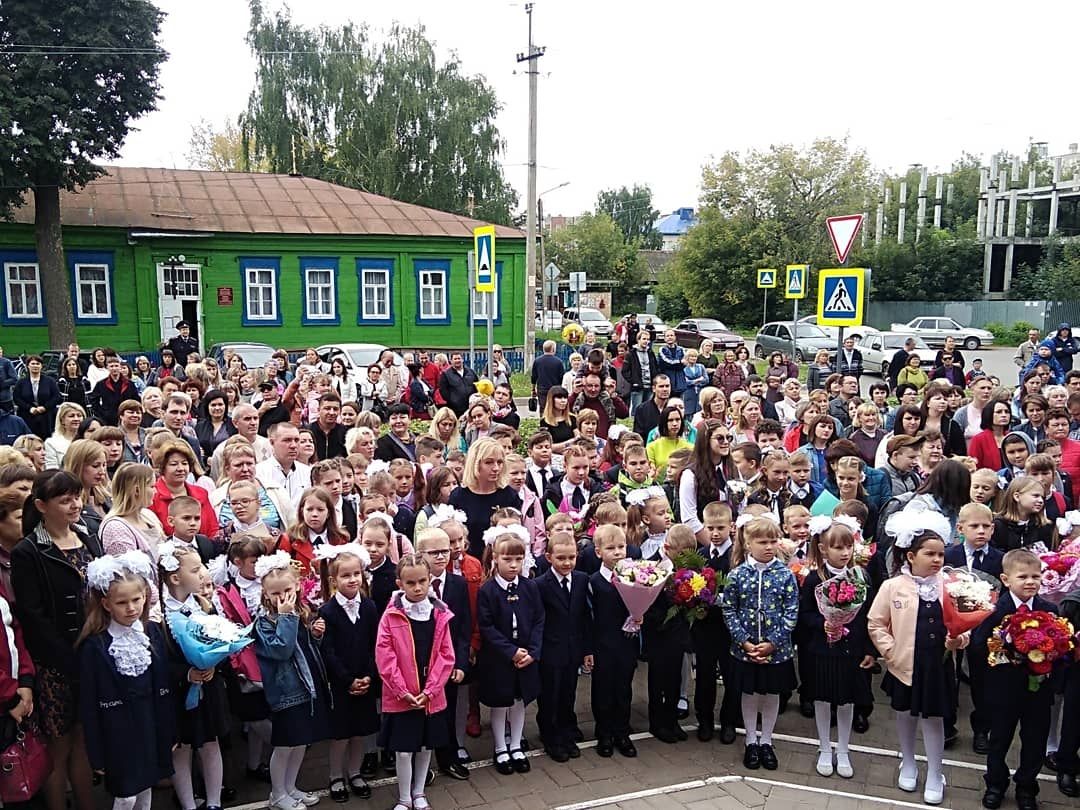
{"points": [[506, 436], [567, 644], [429, 453], [1008, 696], [455, 460], [1016, 448], [803, 490], [634, 471], [539, 472], [770, 434], [747, 459], [614, 651], [185, 517], [796, 523], [902, 460], [710, 638], [976, 371]]}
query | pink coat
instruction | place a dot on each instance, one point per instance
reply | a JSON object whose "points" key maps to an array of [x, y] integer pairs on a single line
{"points": [[532, 518], [395, 657], [245, 662]]}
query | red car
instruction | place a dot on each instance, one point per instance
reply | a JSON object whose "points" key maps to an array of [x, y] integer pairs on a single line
{"points": [[691, 331]]}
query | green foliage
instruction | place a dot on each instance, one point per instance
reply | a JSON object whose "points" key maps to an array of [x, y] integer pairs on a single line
{"points": [[1006, 335], [1056, 278], [938, 268], [633, 212], [389, 118], [594, 245], [220, 150]]}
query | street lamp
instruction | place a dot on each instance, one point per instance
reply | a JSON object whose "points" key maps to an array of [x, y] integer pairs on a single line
{"points": [[173, 262], [543, 261]]}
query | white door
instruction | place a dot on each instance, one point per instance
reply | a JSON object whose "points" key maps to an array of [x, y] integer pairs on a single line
{"points": [[180, 299]]}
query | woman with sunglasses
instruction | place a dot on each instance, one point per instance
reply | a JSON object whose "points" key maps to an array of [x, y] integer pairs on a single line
{"points": [[704, 479]]}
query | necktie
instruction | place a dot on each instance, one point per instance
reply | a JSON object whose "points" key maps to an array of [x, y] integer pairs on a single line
{"points": [[578, 501], [566, 586], [543, 478], [437, 585], [977, 557], [716, 553], [511, 589]]}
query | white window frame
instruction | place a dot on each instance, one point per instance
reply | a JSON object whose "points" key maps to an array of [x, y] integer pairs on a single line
{"points": [[105, 285], [327, 288], [427, 279], [382, 293], [10, 284], [479, 303], [251, 284]]}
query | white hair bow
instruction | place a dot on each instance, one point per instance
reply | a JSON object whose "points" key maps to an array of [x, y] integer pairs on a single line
{"points": [[444, 513], [167, 558], [277, 561], [220, 570], [101, 572], [377, 466], [637, 497], [912, 521], [325, 551], [1069, 521], [616, 431], [744, 518], [516, 529], [385, 518], [820, 524]]}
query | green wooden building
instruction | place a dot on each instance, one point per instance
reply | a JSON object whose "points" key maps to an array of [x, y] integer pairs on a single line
{"points": [[278, 259]]}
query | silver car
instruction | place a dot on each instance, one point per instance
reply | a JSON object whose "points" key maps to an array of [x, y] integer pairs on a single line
{"points": [[878, 349], [777, 337], [935, 330]]}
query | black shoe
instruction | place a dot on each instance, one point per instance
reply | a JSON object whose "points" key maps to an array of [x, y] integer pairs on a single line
{"points": [[625, 746], [228, 794], [705, 731], [664, 735], [806, 708], [503, 763], [683, 708], [1067, 784], [991, 800], [260, 774], [980, 744], [389, 764], [605, 747], [338, 791], [369, 766], [525, 744], [768, 758], [1026, 800], [861, 724], [752, 757], [572, 750], [784, 702], [520, 761], [1050, 762], [359, 786], [557, 753], [455, 770], [579, 735], [680, 733], [727, 734]]}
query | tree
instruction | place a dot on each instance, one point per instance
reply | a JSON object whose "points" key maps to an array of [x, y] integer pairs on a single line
{"points": [[73, 77], [389, 119], [633, 212], [219, 150], [1056, 278], [594, 245]]}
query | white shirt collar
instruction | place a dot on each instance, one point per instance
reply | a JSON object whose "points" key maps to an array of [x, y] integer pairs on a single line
{"points": [[606, 572], [721, 549], [130, 648], [417, 611], [503, 583], [652, 544], [191, 604], [1017, 601]]}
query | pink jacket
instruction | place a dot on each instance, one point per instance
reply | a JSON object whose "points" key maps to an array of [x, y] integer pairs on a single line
{"points": [[395, 657], [244, 663], [532, 518]]}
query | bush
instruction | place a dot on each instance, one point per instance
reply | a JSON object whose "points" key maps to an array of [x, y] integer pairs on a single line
{"points": [[1009, 335]]}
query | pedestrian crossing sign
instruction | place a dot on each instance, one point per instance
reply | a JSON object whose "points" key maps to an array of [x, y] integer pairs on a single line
{"points": [[840, 296], [766, 278], [484, 248], [797, 275]]}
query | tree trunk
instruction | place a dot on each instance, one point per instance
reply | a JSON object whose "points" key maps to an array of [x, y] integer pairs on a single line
{"points": [[55, 282]]}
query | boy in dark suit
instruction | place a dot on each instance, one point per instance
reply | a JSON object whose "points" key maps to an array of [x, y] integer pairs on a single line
{"points": [[571, 493], [185, 517], [614, 652], [1007, 696], [451, 588], [710, 638], [567, 645]]}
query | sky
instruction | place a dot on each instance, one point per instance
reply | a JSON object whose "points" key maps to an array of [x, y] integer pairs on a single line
{"points": [[633, 92]]}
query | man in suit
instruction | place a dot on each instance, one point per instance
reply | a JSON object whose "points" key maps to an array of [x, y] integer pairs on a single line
{"points": [[849, 359], [329, 435]]}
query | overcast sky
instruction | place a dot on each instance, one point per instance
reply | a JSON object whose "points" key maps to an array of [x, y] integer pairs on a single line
{"points": [[634, 92]]}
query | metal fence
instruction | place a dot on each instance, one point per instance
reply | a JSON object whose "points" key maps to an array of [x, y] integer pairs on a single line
{"points": [[1041, 314]]}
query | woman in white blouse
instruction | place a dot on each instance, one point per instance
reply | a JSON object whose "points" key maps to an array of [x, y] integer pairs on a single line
{"points": [[68, 418]]}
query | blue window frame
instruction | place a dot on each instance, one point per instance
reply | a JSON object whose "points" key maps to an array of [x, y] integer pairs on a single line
{"points": [[479, 300], [260, 280], [432, 291], [22, 298], [375, 291], [92, 293], [319, 291]]}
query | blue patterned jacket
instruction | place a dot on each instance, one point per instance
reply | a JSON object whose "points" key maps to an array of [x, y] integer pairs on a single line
{"points": [[761, 606]]}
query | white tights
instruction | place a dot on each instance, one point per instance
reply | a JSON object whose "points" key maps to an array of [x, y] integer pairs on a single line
{"points": [[140, 801], [355, 748], [768, 706], [212, 773], [285, 765], [933, 735], [499, 715], [845, 714], [412, 771]]}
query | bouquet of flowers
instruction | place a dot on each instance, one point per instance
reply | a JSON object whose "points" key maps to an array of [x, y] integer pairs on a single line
{"points": [[696, 588], [839, 600], [1061, 570], [799, 568], [639, 583], [970, 598], [736, 494], [1034, 639], [864, 552], [205, 641]]}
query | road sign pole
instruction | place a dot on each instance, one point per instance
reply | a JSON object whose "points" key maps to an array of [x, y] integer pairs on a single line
{"points": [[490, 342], [795, 333], [765, 308], [472, 319]]}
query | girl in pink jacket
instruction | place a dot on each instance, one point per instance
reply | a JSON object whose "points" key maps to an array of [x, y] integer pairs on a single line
{"points": [[414, 656]]}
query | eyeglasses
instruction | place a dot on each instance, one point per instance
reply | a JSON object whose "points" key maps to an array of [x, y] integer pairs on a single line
{"points": [[242, 502], [721, 437], [438, 552]]}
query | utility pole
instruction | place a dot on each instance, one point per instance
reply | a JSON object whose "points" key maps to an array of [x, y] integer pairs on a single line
{"points": [[531, 57]]}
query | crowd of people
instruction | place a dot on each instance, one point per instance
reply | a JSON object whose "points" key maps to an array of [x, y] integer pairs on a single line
{"points": [[399, 579]]}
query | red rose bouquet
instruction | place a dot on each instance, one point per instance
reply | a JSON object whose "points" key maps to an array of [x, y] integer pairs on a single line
{"points": [[969, 600], [1034, 639], [839, 599]]}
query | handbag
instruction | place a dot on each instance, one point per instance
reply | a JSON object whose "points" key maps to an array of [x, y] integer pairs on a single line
{"points": [[533, 404], [24, 764]]}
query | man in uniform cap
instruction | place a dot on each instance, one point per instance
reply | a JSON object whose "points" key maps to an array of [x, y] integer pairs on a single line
{"points": [[183, 344]]}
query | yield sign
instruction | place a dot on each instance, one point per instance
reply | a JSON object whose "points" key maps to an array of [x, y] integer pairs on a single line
{"points": [[842, 232]]}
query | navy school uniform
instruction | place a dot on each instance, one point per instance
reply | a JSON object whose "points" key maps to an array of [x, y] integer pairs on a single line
{"points": [[989, 562], [567, 640], [1069, 746], [454, 591], [665, 642], [383, 585], [210, 718], [128, 721], [588, 562], [1010, 703], [348, 651], [615, 656], [509, 618], [712, 652], [835, 676]]}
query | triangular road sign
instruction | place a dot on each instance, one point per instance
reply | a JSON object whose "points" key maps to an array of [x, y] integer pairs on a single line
{"points": [[484, 265], [840, 301], [842, 232], [766, 278]]}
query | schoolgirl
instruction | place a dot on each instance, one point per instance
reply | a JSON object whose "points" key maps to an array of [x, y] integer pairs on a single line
{"points": [[905, 625], [531, 508], [126, 694], [440, 483], [316, 524], [772, 490], [648, 517], [294, 677], [415, 656], [835, 665], [382, 577], [1021, 521], [511, 618], [327, 475], [348, 648], [760, 606]]}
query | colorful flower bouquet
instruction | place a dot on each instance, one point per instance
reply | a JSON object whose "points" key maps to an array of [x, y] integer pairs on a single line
{"points": [[864, 552], [206, 641], [1061, 571], [1034, 639], [970, 598], [639, 583], [839, 599], [800, 568], [695, 588]]}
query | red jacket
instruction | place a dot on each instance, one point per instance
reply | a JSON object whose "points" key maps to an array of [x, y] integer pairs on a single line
{"points": [[984, 449], [235, 610], [1070, 463], [395, 657], [162, 498], [16, 666]]}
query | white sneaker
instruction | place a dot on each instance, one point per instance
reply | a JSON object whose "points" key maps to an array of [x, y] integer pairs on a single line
{"points": [[824, 763], [908, 783], [305, 799], [843, 765], [284, 803], [933, 795]]}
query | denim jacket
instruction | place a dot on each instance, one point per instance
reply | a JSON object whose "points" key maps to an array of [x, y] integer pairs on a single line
{"points": [[761, 606], [287, 674]]}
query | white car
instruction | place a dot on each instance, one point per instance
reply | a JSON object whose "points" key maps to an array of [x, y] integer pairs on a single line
{"points": [[357, 357], [591, 320], [856, 332], [878, 349], [935, 330]]}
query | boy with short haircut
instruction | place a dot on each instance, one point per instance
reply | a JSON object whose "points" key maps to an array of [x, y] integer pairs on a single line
{"points": [[903, 460], [359, 464], [185, 517], [1008, 695], [797, 529], [429, 453], [614, 651], [770, 434], [975, 372], [572, 491], [634, 471], [710, 638], [747, 459], [1016, 447], [538, 468], [803, 490], [567, 642], [879, 395]]}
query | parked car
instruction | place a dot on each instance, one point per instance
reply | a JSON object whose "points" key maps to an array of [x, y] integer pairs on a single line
{"points": [[356, 356], [547, 321], [254, 355], [591, 320], [934, 331], [856, 332], [777, 337], [50, 362], [691, 331], [878, 349]]}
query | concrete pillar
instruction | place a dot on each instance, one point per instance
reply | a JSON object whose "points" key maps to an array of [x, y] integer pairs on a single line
{"points": [[988, 253], [1054, 198], [1009, 248], [999, 212], [984, 203], [880, 224], [1013, 200], [1029, 214], [901, 217], [937, 200], [888, 203], [920, 216]]}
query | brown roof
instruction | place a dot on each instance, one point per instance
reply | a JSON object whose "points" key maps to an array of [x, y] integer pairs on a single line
{"points": [[238, 202]]}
